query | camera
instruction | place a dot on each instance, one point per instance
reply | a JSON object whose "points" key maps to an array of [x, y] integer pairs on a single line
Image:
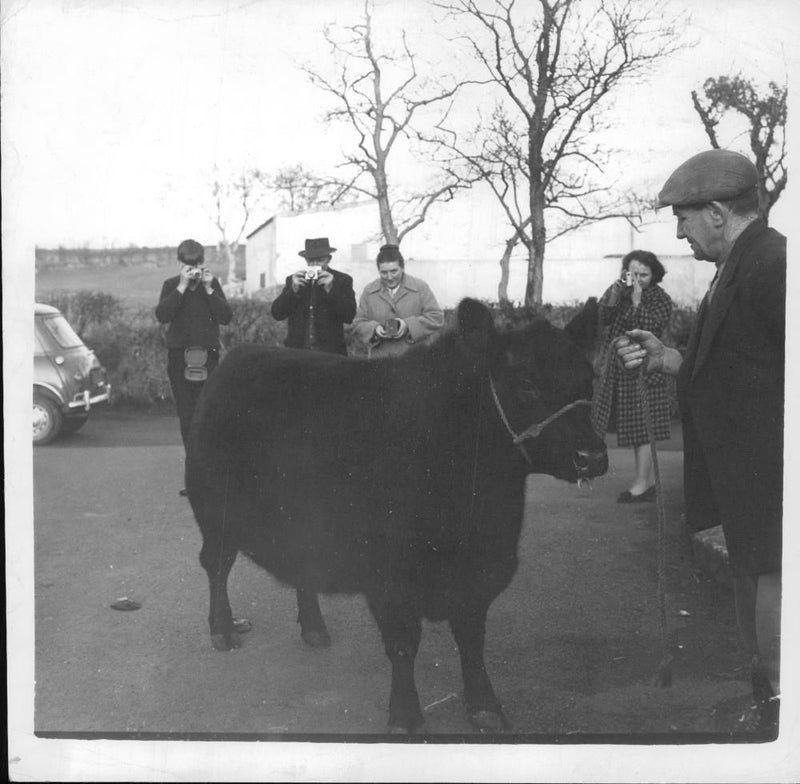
{"points": [[312, 271], [195, 273], [627, 278], [391, 327]]}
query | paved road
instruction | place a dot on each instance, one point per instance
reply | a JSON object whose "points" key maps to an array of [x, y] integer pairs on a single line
{"points": [[572, 645]]}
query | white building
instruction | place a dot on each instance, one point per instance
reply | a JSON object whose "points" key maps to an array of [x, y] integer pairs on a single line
{"points": [[272, 248], [458, 248]]}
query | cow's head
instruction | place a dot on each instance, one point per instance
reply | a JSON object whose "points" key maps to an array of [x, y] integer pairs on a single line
{"points": [[540, 383]]}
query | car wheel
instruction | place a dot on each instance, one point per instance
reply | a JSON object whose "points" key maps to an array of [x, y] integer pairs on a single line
{"points": [[48, 420], [73, 424]]}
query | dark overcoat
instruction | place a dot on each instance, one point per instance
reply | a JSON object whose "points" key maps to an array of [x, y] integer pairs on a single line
{"points": [[617, 397], [731, 392], [315, 317]]}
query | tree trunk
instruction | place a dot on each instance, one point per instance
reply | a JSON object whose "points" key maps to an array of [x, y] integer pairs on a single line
{"points": [[502, 287], [388, 229], [229, 255], [533, 286], [763, 201]]}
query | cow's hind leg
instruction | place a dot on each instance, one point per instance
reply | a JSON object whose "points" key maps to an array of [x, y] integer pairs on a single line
{"points": [[217, 560], [483, 707], [309, 616], [401, 632]]}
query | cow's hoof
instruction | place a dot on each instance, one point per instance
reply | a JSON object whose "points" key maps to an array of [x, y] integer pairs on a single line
{"points": [[488, 721], [224, 642], [316, 638], [242, 625]]}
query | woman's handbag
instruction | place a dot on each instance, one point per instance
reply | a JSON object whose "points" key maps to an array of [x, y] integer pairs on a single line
{"points": [[195, 358]]}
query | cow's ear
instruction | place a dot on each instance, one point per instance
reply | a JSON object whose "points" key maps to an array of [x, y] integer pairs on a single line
{"points": [[475, 324], [584, 326]]}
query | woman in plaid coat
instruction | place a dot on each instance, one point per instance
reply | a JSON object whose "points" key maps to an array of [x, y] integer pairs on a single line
{"points": [[635, 301]]}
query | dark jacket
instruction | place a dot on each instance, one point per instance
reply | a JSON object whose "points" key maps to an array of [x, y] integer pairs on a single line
{"points": [[731, 391], [194, 316], [316, 318]]}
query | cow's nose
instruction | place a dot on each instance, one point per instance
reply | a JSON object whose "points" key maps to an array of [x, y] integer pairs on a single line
{"points": [[591, 463]]}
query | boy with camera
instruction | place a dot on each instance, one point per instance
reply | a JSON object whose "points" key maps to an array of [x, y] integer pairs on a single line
{"points": [[194, 305]]}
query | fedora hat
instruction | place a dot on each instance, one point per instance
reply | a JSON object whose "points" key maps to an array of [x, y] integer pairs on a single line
{"points": [[316, 249]]}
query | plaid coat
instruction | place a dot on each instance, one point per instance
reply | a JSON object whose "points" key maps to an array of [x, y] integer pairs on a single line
{"points": [[616, 402]]}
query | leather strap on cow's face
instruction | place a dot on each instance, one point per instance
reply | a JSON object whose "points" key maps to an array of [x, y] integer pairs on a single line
{"points": [[195, 358], [535, 430]]}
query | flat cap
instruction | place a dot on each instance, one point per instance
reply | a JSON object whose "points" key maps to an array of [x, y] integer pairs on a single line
{"points": [[713, 175]]}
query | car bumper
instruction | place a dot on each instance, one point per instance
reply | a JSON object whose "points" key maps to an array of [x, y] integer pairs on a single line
{"points": [[85, 400]]}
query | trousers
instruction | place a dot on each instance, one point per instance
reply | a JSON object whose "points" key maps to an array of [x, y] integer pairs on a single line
{"points": [[185, 392]]}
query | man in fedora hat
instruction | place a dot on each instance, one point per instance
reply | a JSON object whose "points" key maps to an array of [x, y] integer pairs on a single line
{"points": [[731, 393], [317, 301]]}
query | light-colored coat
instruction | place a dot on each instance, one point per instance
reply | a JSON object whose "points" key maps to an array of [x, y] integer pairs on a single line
{"points": [[413, 302]]}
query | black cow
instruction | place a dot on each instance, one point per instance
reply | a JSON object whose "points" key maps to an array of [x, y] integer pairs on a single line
{"points": [[399, 479]]}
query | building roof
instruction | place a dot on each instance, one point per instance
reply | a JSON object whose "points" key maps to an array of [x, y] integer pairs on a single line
{"points": [[258, 228], [322, 208]]}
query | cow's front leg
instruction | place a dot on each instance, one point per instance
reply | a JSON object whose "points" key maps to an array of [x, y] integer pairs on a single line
{"points": [[217, 561], [401, 633], [483, 707], [309, 616]]}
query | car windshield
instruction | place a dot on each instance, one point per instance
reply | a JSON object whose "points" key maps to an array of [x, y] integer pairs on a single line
{"points": [[64, 334]]}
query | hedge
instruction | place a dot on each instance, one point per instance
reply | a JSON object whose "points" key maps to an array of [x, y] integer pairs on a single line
{"points": [[130, 343]]}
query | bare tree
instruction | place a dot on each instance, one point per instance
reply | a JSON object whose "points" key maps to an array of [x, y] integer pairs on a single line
{"points": [[233, 199], [384, 99], [297, 189], [555, 64], [766, 118]]}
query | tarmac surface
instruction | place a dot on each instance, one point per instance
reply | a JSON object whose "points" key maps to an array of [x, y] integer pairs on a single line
{"points": [[573, 645]]}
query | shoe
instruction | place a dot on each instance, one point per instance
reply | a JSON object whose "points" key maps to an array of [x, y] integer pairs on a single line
{"points": [[627, 497], [182, 492]]}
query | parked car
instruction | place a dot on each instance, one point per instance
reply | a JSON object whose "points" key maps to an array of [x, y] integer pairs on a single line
{"points": [[67, 377]]}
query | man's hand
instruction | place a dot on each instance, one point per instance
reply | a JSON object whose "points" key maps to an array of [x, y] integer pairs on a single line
{"points": [[381, 332], [299, 281], [326, 279], [403, 329], [638, 346]]}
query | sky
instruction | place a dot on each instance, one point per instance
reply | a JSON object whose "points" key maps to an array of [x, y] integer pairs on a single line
{"points": [[117, 111]]}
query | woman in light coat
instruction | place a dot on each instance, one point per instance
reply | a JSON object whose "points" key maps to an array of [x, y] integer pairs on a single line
{"points": [[397, 310]]}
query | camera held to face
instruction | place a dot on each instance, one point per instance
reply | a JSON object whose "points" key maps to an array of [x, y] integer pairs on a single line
{"points": [[313, 271], [195, 273]]}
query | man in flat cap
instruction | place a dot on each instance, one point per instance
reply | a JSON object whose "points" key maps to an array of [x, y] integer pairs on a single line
{"points": [[731, 393], [317, 301]]}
